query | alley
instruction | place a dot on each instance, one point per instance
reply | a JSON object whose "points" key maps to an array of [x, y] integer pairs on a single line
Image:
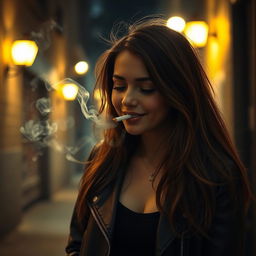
{"points": [[185, 81], [44, 228]]}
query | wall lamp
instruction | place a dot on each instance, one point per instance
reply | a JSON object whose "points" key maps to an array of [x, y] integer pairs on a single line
{"points": [[195, 31], [21, 53], [24, 52]]}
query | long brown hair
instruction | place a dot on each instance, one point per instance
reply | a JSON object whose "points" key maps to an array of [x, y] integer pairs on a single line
{"points": [[200, 154]]}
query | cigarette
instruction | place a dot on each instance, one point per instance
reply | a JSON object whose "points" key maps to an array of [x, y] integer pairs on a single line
{"points": [[121, 118]]}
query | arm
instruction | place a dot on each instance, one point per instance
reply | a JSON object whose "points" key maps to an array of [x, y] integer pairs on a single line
{"points": [[77, 229], [227, 230], [75, 235]]}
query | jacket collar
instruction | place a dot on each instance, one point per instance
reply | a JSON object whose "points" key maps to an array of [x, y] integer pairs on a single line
{"points": [[105, 206]]}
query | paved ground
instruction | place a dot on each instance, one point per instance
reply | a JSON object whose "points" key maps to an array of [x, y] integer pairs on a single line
{"points": [[44, 229]]}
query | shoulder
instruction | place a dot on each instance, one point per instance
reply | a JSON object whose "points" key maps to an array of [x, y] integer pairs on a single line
{"points": [[94, 151], [92, 156], [230, 183], [222, 168], [226, 177]]}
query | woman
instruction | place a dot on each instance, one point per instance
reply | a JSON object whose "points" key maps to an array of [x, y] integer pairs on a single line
{"points": [[168, 180]]}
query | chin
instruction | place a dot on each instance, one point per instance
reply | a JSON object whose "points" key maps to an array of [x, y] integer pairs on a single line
{"points": [[133, 131]]}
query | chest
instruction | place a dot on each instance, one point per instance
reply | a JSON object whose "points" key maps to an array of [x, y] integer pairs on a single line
{"points": [[138, 193]]}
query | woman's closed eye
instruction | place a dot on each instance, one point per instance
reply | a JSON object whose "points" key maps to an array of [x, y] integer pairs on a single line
{"points": [[119, 88], [147, 90]]}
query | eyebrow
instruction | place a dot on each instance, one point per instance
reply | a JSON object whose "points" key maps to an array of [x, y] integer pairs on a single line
{"points": [[139, 79]]}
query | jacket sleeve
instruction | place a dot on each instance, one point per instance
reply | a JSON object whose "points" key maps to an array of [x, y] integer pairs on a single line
{"points": [[77, 229], [75, 235], [227, 230]]}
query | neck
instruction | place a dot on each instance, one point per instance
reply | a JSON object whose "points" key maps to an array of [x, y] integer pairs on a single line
{"points": [[152, 147]]}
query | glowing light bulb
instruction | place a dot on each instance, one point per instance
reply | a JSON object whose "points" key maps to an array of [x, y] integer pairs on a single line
{"points": [[176, 23], [24, 52], [69, 91], [197, 33], [81, 67]]}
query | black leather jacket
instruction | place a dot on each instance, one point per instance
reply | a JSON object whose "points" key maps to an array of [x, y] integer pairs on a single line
{"points": [[94, 237]]}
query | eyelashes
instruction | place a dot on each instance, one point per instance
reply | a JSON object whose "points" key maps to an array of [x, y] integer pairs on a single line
{"points": [[119, 88], [142, 90], [147, 91]]}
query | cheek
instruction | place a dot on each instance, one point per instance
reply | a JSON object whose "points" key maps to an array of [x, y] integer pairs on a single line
{"points": [[156, 104]]}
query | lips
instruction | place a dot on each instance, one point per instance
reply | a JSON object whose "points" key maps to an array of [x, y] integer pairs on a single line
{"points": [[135, 119], [133, 113]]}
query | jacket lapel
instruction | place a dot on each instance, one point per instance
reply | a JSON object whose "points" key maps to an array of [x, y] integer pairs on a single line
{"points": [[104, 205], [164, 235]]}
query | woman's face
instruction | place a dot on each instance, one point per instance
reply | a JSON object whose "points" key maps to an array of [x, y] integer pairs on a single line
{"points": [[134, 93]]}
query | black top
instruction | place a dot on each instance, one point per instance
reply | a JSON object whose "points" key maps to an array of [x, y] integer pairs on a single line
{"points": [[134, 233]]}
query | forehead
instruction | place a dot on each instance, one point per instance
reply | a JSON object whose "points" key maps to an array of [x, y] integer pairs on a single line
{"points": [[128, 65]]}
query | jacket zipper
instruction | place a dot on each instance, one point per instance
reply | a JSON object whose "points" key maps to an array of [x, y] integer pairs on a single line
{"points": [[95, 215]]}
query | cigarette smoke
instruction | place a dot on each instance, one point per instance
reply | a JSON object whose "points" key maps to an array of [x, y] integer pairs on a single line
{"points": [[43, 131]]}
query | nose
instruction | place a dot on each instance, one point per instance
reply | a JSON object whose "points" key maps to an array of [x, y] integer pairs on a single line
{"points": [[129, 98]]}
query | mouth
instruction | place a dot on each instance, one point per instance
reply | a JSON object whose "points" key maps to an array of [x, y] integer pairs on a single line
{"points": [[129, 116], [135, 117], [134, 114]]}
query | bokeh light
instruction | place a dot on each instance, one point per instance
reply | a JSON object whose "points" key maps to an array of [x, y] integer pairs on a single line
{"points": [[81, 67], [69, 91], [197, 33], [176, 23]]}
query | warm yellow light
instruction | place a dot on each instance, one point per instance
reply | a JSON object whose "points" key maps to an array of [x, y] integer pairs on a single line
{"points": [[176, 23], [69, 91], [197, 33], [214, 46], [81, 67], [24, 52], [97, 94]]}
